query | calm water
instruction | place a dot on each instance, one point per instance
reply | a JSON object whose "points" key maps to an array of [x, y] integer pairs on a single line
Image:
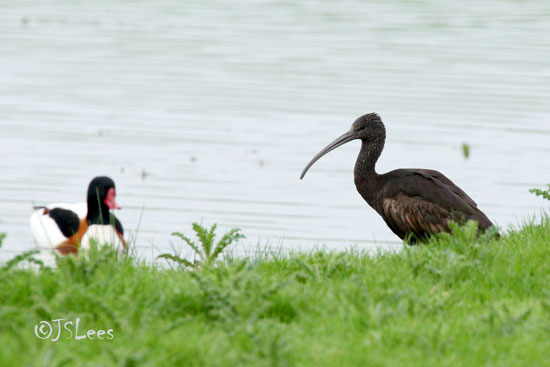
{"points": [[208, 111]]}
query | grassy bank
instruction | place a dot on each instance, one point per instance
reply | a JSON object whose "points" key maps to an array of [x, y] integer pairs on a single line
{"points": [[455, 302]]}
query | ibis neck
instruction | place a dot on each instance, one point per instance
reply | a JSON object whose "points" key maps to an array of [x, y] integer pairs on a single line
{"points": [[366, 161]]}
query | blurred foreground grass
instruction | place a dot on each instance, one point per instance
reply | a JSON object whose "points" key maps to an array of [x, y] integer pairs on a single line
{"points": [[458, 301]]}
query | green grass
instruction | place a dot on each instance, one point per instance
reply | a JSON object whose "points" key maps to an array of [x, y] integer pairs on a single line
{"points": [[458, 301]]}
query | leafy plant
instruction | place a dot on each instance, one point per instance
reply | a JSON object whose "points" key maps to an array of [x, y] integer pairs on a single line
{"points": [[207, 250], [544, 193]]}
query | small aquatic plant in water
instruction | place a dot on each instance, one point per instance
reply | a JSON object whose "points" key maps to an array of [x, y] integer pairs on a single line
{"points": [[206, 250], [466, 150], [544, 193]]}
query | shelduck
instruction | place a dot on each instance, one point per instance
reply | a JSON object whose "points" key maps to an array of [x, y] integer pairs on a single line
{"points": [[68, 228]]}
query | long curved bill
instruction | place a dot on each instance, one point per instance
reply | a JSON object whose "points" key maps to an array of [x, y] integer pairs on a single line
{"points": [[347, 137]]}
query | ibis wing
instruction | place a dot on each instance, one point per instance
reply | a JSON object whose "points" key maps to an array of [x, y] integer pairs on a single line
{"points": [[458, 202], [431, 186], [441, 180], [424, 201], [413, 215]]}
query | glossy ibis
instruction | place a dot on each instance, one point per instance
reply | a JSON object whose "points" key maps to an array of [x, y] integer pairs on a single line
{"points": [[414, 203], [66, 228]]}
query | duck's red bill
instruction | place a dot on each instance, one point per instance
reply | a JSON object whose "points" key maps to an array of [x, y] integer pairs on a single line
{"points": [[110, 200]]}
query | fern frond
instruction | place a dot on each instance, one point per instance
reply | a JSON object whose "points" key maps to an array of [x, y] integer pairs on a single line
{"points": [[227, 239], [544, 193], [177, 259], [190, 243], [206, 238]]}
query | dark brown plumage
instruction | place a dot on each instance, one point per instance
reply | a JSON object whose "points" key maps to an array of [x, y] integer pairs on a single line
{"points": [[412, 202]]}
